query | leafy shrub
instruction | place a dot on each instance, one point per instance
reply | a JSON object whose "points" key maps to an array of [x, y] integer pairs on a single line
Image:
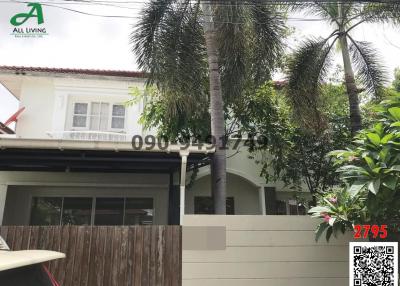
{"points": [[370, 172]]}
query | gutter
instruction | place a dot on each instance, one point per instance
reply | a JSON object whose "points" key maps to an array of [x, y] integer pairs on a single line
{"points": [[9, 143]]}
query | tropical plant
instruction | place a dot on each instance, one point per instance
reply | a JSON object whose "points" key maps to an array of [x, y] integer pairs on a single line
{"points": [[309, 66], [370, 171], [291, 153], [396, 82], [208, 51]]}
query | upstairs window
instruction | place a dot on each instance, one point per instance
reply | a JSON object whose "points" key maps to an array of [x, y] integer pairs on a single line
{"points": [[118, 116], [80, 115], [98, 116]]}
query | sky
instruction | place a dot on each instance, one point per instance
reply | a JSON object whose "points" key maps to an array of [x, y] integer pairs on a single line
{"points": [[81, 41]]}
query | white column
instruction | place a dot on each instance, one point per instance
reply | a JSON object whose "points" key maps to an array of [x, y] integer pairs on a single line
{"points": [[261, 195], [3, 194], [182, 187]]}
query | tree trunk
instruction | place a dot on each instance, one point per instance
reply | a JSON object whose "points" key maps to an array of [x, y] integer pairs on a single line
{"points": [[218, 169], [351, 87]]}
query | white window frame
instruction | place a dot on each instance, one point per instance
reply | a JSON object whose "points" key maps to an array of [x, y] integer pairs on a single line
{"points": [[111, 117], [73, 128], [108, 118], [89, 116]]}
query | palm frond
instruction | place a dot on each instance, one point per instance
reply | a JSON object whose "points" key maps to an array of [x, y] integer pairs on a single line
{"points": [[145, 35], [169, 44], [250, 44], [232, 47], [306, 71], [269, 30], [369, 71], [328, 11], [381, 13]]}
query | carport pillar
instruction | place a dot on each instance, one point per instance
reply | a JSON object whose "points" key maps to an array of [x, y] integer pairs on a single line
{"points": [[3, 195], [261, 196], [184, 156]]}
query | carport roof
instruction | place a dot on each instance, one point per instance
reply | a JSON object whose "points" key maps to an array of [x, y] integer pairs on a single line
{"points": [[85, 156]]}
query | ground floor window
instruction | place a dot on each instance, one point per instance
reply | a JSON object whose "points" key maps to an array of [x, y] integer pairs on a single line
{"points": [[91, 211], [290, 207], [205, 205]]}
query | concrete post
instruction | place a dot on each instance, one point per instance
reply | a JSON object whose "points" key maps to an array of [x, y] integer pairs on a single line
{"points": [[182, 187], [261, 195]]}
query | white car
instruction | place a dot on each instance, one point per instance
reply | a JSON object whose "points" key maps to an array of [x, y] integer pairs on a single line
{"points": [[24, 267]]}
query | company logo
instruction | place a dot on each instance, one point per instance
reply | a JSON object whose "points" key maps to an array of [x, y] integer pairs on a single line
{"points": [[35, 13], [21, 18]]}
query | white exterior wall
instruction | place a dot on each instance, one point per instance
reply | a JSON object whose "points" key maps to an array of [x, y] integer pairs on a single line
{"points": [[264, 251], [245, 194], [37, 96], [244, 183], [49, 102]]}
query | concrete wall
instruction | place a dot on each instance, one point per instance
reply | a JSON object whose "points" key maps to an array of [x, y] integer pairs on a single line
{"points": [[263, 251]]}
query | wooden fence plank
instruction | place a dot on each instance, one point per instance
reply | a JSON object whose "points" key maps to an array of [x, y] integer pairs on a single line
{"points": [[131, 256], [93, 254], [123, 269], [4, 232], [86, 256], [103, 256], [108, 255], [19, 232], [160, 265], [138, 257], [72, 246]]}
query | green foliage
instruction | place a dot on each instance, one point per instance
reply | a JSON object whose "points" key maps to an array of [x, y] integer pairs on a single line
{"points": [[339, 210], [370, 169], [171, 117], [309, 65], [291, 153], [396, 82], [170, 45]]}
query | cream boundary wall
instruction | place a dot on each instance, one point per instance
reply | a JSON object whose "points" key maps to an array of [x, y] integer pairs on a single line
{"points": [[266, 251]]}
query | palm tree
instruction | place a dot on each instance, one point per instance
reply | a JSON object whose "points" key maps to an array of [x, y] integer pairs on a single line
{"points": [[208, 49], [363, 72]]}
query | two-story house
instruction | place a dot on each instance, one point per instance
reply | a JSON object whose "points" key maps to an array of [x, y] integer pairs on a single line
{"points": [[71, 159]]}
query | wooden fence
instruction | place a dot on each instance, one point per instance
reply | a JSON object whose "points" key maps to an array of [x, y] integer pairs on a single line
{"points": [[106, 256]]}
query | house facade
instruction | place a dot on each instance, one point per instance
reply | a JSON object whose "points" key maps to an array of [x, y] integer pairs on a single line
{"points": [[72, 161]]}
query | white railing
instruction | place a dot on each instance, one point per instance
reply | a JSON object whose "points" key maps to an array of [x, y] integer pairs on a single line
{"points": [[90, 136]]}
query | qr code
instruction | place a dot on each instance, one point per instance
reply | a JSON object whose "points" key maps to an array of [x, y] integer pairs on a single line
{"points": [[374, 264]]}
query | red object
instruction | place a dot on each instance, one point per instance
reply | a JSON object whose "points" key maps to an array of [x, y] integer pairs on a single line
{"points": [[376, 231], [14, 117], [53, 280]]}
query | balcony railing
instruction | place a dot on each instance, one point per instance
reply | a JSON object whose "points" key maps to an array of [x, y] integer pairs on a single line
{"points": [[90, 136]]}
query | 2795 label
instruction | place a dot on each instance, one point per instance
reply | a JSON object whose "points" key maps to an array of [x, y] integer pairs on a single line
{"points": [[367, 230]]}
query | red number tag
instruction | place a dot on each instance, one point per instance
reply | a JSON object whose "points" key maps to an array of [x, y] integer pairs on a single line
{"points": [[363, 231]]}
